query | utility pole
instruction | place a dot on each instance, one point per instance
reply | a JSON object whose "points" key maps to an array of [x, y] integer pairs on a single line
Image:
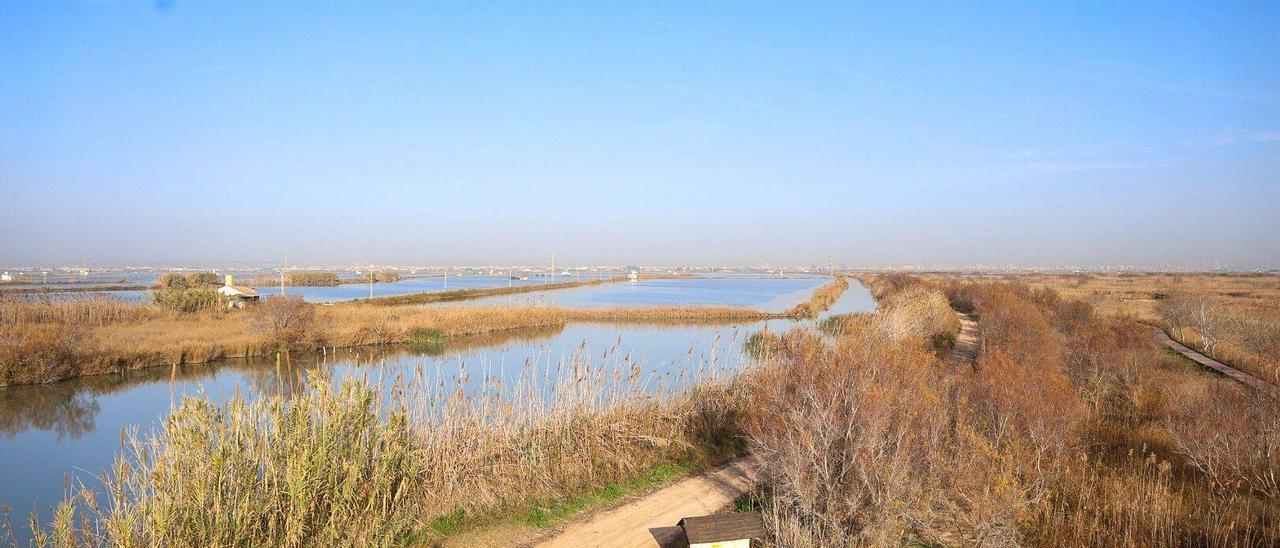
{"points": [[553, 268], [286, 267], [370, 281], [831, 265], [446, 278]]}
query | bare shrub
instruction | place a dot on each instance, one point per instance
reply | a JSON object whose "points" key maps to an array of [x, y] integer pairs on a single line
{"points": [[1231, 436], [284, 322], [864, 445]]}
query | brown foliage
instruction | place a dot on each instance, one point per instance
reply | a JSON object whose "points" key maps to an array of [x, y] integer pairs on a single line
{"points": [[284, 322]]}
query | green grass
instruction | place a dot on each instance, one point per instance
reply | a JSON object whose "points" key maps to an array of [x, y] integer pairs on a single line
{"points": [[427, 340], [559, 511]]}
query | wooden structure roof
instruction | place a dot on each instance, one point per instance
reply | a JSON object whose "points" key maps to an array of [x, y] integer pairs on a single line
{"points": [[722, 527]]}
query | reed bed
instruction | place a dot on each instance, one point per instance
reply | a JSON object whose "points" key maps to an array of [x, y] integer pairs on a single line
{"points": [[54, 339], [91, 310], [341, 465], [821, 299]]}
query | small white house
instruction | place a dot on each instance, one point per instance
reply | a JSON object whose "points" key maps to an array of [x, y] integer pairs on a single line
{"points": [[239, 295], [633, 276], [6, 277]]}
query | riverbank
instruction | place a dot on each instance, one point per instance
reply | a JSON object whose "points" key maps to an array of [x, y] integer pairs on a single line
{"points": [[52, 341]]}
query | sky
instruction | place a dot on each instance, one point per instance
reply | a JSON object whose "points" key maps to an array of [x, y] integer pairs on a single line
{"points": [[742, 133]]}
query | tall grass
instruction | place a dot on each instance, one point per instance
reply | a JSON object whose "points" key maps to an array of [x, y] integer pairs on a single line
{"points": [[820, 300], [338, 466], [111, 336]]}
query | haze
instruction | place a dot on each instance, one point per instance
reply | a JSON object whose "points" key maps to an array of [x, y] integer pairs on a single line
{"points": [[727, 133]]}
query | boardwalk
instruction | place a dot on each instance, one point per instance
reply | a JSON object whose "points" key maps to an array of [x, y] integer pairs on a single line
{"points": [[1260, 385]]}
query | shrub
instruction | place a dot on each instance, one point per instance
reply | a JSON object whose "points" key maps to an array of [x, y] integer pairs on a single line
{"points": [[284, 322], [192, 299], [322, 279], [175, 280]]}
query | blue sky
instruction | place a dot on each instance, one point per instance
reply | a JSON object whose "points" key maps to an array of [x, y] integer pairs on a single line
{"points": [[629, 132]]}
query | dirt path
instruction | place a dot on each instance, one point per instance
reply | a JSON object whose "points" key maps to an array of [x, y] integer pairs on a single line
{"points": [[966, 348], [1249, 380], [650, 521]]}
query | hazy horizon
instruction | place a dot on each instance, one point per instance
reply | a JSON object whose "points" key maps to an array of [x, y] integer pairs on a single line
{"points": [[729, 133]]}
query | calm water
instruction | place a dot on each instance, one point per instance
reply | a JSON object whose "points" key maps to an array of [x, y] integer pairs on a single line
{"points": [[413, 285], [71, 430], [769, 294]]}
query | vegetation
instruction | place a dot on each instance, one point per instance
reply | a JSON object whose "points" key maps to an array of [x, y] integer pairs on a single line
{"points": [[821, 299], [108, 336], [1239, 312], [1072, 429], [339, 466], [175, 280], [191, 299], [312, 279]]}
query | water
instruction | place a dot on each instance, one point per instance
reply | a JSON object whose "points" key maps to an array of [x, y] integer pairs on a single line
{"points": [[769, 294], [71, 430], [403, 287], [854, 300]]}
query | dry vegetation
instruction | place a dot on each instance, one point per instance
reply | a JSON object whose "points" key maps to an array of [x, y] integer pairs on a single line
{"points": [[1232, 317], [821, 299], [54, 339], [51, 340], [1072, 429], [339, 466]]}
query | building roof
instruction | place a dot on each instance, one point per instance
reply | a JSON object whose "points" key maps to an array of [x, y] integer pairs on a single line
{"points": [[240, 290], [722, 527]]}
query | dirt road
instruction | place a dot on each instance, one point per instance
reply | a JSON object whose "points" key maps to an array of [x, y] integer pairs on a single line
{"points": [[650, 521], [966, 348]]}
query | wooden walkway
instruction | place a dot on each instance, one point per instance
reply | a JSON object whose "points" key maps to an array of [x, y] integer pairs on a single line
{"points": [[650, 521], [1260, 385]]}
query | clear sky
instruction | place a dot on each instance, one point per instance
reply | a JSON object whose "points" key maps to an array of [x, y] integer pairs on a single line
{"points": [[634, 132]]}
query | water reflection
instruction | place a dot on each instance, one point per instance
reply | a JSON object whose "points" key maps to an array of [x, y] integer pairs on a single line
{"points": [[69, 408]]}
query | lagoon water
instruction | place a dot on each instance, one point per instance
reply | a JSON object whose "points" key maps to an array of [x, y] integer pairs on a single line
{"points": [[71, 430], [769, 294]]}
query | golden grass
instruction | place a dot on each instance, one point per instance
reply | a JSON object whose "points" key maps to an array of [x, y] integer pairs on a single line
{"points": [[54, 339], [821, 299]]}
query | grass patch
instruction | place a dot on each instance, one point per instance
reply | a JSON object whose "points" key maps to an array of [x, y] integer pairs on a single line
{"points": [[427, 340], [547, 515]]}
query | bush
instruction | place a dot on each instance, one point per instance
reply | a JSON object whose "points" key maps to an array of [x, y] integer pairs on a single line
{"points": [[317, 279], [284, 323], [175, 280], [192, 299]]}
